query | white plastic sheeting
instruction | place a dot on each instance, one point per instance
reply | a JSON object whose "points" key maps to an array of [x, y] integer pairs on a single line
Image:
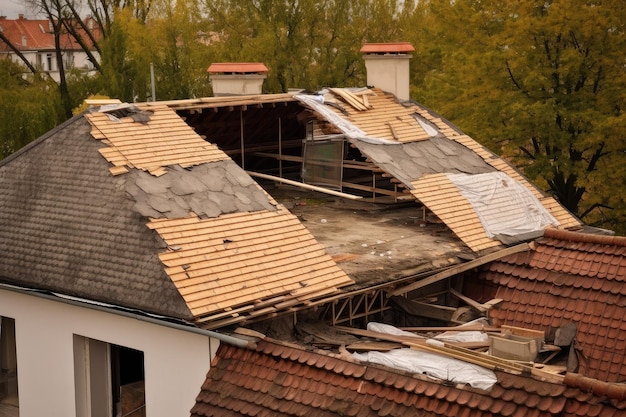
{"points": [[503, 205], [431, 364], [466, 336], [317, 103]]}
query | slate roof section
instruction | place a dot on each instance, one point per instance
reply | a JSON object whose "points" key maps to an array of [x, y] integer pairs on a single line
{"points": [[67, 225], [175, 228], [575, 278], [276, 379]]}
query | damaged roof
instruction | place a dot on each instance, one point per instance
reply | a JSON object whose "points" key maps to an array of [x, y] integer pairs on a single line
{"points": [[279, 379], [131, 207], [422, 151], [221, 246], [568, 278]]}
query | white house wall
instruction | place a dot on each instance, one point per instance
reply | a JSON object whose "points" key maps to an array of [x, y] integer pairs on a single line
{"points": [[36, 58], [175, 361]]}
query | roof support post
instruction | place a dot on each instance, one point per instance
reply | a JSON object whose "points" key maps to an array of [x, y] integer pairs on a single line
{"points": [[243, 155]]}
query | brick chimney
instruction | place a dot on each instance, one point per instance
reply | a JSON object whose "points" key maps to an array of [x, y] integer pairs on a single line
{"points": [[237, 78], [387, 66]]}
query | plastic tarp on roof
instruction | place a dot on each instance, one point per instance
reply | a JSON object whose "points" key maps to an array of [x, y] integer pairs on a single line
{"points": [[503, 205], [316, 103], [431, 364]]}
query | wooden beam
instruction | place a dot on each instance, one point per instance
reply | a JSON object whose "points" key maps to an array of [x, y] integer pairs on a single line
{"points": [[468, 328], [303, 185], [417, 308], [457, 269], [472, 303]]}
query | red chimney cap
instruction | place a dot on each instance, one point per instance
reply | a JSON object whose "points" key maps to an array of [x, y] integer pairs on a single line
{"points": [[237, 67], [387, 48]]}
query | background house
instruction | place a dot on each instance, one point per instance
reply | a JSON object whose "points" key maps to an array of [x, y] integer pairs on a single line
{"points": [[35, 41]]}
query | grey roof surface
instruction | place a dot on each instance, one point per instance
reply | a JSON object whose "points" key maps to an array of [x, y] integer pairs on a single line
{"points": [[209, 190], [409, 161], [67, 225]]}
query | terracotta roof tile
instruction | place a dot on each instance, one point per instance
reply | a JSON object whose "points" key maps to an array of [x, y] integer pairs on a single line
{"points": [[309, 387], [544, 294]]}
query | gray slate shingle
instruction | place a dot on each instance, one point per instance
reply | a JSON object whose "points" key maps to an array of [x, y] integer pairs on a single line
{"points": [[67, 225]]}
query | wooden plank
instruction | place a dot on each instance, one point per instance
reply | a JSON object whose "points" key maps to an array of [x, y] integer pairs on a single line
{"points": [[349, 98], [522, 331], [469, 328], [474, 304], [418, 308], [461, 268]]}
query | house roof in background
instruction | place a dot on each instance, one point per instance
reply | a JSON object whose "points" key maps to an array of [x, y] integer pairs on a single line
{"points": [[36, 35], [276, 379], [565, 278]]}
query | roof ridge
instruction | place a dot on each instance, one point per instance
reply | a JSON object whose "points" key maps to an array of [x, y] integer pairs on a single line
{"points": [[552, 233], [40, 139], [613, 390]]}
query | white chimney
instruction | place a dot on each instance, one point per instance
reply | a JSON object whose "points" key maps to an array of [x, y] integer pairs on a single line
{"points": [[237, 78], [387, 66]]}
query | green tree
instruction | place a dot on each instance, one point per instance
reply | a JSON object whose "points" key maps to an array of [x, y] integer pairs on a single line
{"points": [[29, 106], [305, 43], [126, 59], [180, 50], [541, 82]]}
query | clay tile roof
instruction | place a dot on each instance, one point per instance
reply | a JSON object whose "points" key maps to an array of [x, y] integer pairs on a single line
{"points": [[381, 48], [36, 35], [258, 380], [237, 68], [546, 292]]}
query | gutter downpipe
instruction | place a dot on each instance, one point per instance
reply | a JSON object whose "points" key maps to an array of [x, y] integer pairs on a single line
{"points": [[235, 341]]}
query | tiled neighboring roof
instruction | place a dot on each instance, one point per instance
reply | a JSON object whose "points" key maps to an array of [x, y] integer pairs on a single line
{"points": [[569, 278], [27, 34], [237, 67], [35, 35], [393, 136], [282, 380]]}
